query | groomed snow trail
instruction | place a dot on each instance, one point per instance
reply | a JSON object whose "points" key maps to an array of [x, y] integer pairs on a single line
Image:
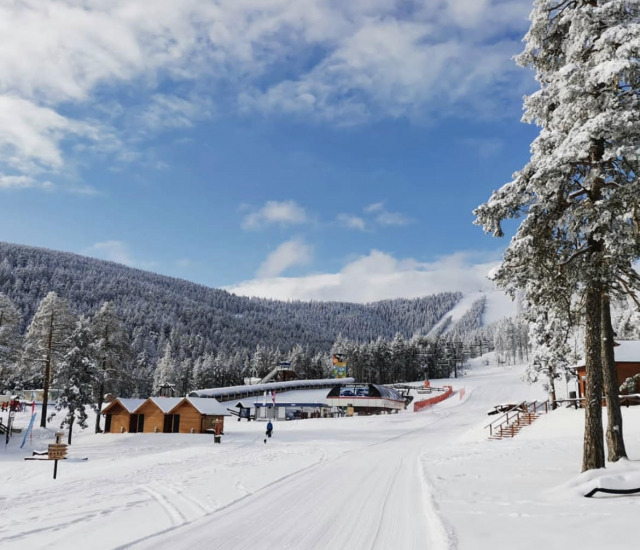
{"points": [[370, 498]]}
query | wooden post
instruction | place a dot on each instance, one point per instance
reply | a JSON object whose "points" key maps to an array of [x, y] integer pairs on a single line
{"points": [[57, 451]]}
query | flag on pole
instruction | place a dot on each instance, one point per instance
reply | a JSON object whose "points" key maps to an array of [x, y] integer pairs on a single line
{"points": [[28, 432], [273, 397]]}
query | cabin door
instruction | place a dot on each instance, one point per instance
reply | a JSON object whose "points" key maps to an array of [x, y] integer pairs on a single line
{"points": [[107, 423], [133, 424], [168, 424], [171, 423]]}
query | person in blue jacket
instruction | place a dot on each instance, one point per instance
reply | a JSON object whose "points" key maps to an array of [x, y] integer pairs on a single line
{"points": [[269, 428]]}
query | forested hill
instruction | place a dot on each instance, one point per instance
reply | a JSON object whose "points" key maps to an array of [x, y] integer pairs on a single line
{"points": [[196, 320]]}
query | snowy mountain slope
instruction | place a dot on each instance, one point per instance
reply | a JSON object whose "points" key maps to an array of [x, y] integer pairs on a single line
{"points": [[497, 306], [202, 319]]}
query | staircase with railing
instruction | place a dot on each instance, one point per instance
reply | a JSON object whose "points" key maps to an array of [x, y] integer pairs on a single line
{"points": [[517, 417]]}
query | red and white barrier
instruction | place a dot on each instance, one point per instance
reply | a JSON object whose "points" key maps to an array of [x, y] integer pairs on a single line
{"points": [[420, 405]]}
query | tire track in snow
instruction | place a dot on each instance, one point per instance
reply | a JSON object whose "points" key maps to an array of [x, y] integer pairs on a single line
{"points": [[358, 502], [195, 508], [442, 537], [390, 485], [175, 515]]}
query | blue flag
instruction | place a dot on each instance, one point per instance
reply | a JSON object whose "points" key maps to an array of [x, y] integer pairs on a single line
{"points": [[26, 434]]}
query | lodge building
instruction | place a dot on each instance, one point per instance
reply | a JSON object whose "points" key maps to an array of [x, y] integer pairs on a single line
{"points": [[627, 358], [165, 415]]}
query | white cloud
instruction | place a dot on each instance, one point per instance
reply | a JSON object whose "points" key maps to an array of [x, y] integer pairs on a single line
{"points": [[67, 67], [384, 217], [274, 212], [392, 218], [288, 254], [170, 111], [116, 251], [31, 135], [484, 147], [378, 276], [23, 182], [352, 222], [375, 207]]}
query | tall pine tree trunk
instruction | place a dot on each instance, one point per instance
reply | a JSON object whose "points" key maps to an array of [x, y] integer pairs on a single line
{"points": [[593, 450], [103, 377], [615, 439], [47, 375], [552, 389], [71, 428], [100, 401]]}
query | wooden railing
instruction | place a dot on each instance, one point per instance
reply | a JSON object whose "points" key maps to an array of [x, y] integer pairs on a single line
{"points": [[511, 418]]}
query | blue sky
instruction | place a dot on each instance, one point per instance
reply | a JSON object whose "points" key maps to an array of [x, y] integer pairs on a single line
{"points": [[285, 148]]}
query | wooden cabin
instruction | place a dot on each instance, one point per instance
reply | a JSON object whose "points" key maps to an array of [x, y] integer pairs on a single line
{"points": [[200, 415], [120, 416], [165, 415], [157, 415], [627, 357]]}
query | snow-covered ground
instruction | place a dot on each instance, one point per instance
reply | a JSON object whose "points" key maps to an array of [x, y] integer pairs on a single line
{"points": [[411, 480]]}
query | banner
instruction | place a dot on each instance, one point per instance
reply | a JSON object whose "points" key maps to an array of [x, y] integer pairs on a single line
{"points": [[28, 432], [339, 366]]}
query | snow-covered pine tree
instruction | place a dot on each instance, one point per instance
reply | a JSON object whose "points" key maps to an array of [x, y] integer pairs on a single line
{"points": [[46, 342], [627, 321], [77, 375], [113, 351], [262, 361], [296, 358], [10, 340], [185, 375], [398, 358], [579, 192], [165, 374], [549, 330], [203, 374]]}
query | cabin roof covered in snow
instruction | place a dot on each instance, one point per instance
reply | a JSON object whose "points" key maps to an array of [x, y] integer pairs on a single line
{"points": [[166, 404], [208, 406], [130, 404], [627, 351]]}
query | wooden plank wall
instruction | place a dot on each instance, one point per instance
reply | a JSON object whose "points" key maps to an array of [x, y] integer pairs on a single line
{"points": [[190, 418], [153, 417], [119, 419]]}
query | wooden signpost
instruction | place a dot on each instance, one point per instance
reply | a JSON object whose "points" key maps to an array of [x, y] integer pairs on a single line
{"points": [[56, 451]]}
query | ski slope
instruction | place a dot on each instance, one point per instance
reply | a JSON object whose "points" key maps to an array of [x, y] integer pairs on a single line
{"points": [[498, 305], [426, 480]]}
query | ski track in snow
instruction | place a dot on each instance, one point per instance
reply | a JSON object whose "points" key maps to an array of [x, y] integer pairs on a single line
{"points": [[356, 501]]}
